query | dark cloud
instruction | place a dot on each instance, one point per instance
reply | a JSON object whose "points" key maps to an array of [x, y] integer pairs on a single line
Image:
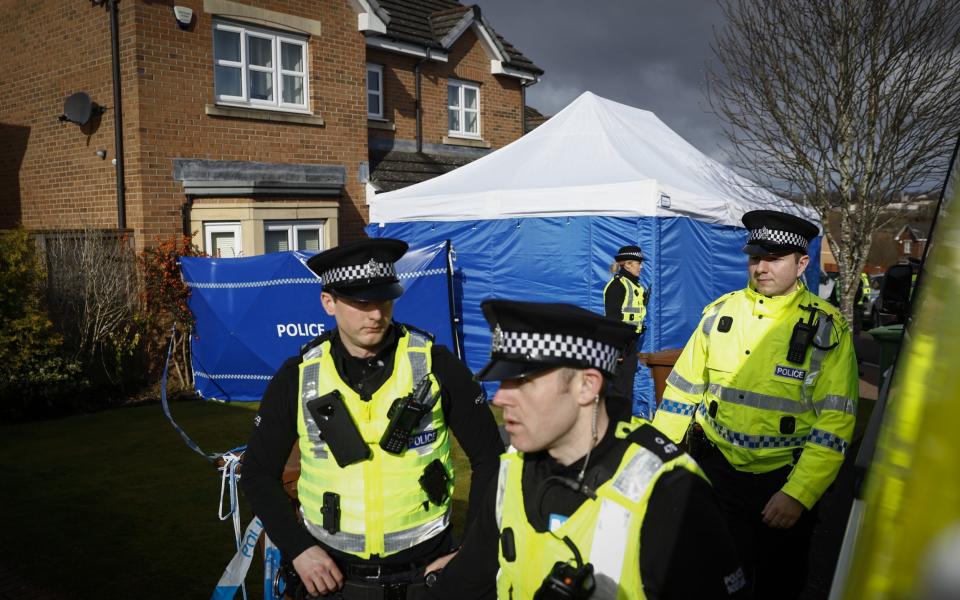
{"points": [[650, 54]]}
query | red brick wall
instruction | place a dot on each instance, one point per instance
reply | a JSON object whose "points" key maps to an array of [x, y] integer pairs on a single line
{"points": [[500, 98], [61, 47], [51, 176]]}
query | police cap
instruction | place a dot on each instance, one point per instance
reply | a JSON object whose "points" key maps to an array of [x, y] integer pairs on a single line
{"points": [[362, 270], [529, 337], [773, 232], [629, 253]]}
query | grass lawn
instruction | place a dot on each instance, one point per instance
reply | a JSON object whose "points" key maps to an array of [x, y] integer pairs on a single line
{"points": [[114, 504]]}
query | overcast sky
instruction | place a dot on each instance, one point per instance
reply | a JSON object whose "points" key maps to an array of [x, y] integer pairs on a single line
{"points": [[650, 54]]}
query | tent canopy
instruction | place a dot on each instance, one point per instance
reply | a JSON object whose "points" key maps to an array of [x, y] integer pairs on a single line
{"points": [[595, 157]]}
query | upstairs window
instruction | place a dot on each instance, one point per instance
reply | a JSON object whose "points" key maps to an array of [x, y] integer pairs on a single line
{"points": [[463, 109], [259, 68], [374, 91]]}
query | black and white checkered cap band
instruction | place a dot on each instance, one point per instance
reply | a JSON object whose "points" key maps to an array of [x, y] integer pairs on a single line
{"points": [[532, 346], [776, 236], [636, 255], [370, 270]]}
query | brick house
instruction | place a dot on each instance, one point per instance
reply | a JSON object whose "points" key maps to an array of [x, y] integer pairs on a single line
{"points": [[258, 126]]}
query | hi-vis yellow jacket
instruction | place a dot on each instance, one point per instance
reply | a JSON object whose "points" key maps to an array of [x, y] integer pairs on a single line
{"points": [[605, 530], [383, 508], [633, 310], [757, 407]]}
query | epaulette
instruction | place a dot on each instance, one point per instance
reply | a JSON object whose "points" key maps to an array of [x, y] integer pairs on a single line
{"points": [[828, 310], [653, 440], [323, 337], [407, 327], [719, 300]]}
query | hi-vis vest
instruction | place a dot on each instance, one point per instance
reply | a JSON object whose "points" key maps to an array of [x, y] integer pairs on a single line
{"points": [[632, 310], [605, 530], [383, 509], [758, 408]]}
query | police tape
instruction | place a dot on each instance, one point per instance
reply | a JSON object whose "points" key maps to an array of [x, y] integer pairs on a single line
{"points": [[236, 571]]}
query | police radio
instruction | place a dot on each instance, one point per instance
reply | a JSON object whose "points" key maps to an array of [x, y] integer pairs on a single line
{"points": [[566, 581], [405, 414], [801, 338]]}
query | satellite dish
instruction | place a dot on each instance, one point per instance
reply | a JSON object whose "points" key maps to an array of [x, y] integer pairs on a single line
{"points": [[79, 108]]}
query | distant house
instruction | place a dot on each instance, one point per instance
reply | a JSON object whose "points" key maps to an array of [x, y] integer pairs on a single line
{"points": [[255, 125], [911, 242]]}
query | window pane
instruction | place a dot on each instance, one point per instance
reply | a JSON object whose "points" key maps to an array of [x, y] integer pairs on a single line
{"points": [[308, 239], [453, 95], [454, 120], [373, 104], [470, 98], [275, 240], [292, 89], [259, 51], [228, 81], [291, 57], [224, 244], [373, 81], [261, 85], [471, 122], [226, 45]]}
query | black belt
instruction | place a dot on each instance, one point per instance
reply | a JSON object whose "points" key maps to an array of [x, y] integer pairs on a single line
{"points": [[384, 572]]}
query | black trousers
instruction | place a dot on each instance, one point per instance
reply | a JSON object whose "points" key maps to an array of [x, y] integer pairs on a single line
{"points": [[774, 560]]}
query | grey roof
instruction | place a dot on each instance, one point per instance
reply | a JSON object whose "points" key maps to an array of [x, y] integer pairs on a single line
{"points": [[396, 169], [427, 22]]}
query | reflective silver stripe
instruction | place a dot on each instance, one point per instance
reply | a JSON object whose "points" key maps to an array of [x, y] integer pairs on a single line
{"points": [[408, 538], [392, 542], [708, 322], [821, 338], [840, 403], [501, 489], [755, 400], [354, 543], [677, 381], [418, 360], [312, 353], [637, 475], [629, 308], [311, 376]]}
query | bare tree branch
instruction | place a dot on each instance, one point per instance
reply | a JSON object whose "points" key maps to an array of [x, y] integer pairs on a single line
{"points": [[845, 104]]}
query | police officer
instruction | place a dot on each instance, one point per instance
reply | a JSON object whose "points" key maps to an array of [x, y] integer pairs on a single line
{"points": [[625, 299], [373, 515], [770, 379], [583, 507]]}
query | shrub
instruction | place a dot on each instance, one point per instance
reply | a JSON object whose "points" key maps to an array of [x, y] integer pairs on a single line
{"points": [[34, 374], [164, 300]]}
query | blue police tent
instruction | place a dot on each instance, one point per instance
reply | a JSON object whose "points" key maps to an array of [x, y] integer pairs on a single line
{"points": [[541, 219], [253, 313]]}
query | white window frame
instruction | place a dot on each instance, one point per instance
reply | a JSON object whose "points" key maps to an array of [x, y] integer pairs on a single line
{"points": [[378, 93], [233, 227], [293, 228], [277, 71], [462, 109]]}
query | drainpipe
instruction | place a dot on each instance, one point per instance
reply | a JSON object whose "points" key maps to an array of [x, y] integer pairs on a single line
{"points": [[416, 77], [185, 215], [117, 111], [523, 103]]}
